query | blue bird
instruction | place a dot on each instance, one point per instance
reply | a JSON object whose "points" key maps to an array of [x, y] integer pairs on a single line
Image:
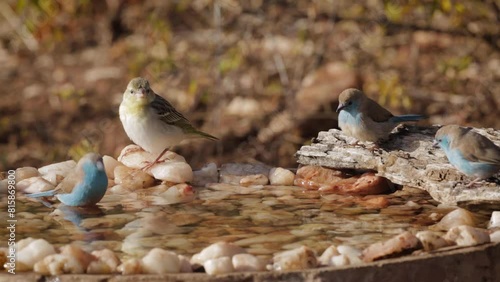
{"points": [[471, 153], [362, 118], [84, 186]]}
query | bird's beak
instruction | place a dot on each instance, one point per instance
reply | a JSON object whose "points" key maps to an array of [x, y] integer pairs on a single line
{"points": [[141, 93], [100, 164], [340, 107], [435, 144]]}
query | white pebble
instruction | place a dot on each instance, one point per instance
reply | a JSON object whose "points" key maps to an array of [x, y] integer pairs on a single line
{"points": [[340, 260], [353, 254], [135, 157], [132, 179], [220, 265], [107, 262], [26, 172], [159, 261], [109, 165], [281, 176], [172, 171], [431, 240], [35, 251], [34, 185], [62, 168], [296, 259], [216, 250], [130, 266], [495, 237], [76, 252], [206, 175], [454, 218], [57, 264], [494, 220], [327, 255], [465, 235], [185, 265], [254, 179], [247, 262], [179, 193]]}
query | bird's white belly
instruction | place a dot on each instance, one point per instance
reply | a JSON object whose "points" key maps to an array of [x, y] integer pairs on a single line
{"points": [[150, 133]]}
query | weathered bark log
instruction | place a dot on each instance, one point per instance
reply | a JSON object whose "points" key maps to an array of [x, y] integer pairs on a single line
{"points": [[407, 158]]}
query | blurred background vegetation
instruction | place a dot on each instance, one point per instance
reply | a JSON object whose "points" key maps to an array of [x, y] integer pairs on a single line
{"points": [[263, 76]]}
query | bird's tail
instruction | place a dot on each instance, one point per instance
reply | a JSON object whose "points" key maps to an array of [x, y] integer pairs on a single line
{"points": [[404, 118], [49, 193], [202, 134]]}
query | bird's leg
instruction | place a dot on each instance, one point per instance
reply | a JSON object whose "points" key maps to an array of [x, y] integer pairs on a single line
{"points": [[473, 183], [148, 166]]}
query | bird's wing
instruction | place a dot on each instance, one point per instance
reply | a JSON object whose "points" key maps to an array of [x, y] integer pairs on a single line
{"points": [[70, 181], [376, 112], [477, 148], [169, 114]]}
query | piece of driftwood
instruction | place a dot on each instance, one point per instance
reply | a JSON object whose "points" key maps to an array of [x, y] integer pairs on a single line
{"points": [[407, 158]]}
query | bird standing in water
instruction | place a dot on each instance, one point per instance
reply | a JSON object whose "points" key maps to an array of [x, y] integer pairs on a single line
{"points": [[152, 122], [84, 186]]}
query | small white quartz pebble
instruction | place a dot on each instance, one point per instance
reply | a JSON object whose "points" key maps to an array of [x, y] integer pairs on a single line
{"points": [[34, 185], [431, 240], [33, 252], [132, 179], [57, 264], [327, 255], [247, 262], [159, 261], [62, 168], [405, 241], [109, 165], [281, 176], [26, 172], [454, 218], [135, 157], [220, 265], [107, 262], [465, 235], [216, 250], [172, 171], [353, 254], [495, 236], [130, 266], [494, 220], [179, 193], [340, 255], [296, 259]]}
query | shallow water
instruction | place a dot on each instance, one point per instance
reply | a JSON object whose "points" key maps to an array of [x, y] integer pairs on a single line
{"points": [[262, 219]]}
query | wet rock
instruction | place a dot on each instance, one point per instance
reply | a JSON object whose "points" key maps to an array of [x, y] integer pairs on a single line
{"points": [[431, 240], [134, 156], [494, 220], [334, 181], [465, 235], [74, 251], [216, 250], [26, 172], [398, 245], [495, 236], [185, 265], [132, 179], [296, 259], [130, 266], [281, 176], [206, 175], [58, 264], [247, 262], [107, 262], [340, 256], [33, 252], [172, 171], [159, 261], [34, 185], [232, 173], [219, 265], [254, 179], [110, 164], [455, 218], [180, 193]]}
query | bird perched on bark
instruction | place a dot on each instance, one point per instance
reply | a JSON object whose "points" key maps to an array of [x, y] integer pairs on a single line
{"points": [[84, 186], [362, 118], [152, 122], [471, 153]]}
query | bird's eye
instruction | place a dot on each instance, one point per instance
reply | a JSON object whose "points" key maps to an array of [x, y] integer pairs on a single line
{"points": [[350, 103]]}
